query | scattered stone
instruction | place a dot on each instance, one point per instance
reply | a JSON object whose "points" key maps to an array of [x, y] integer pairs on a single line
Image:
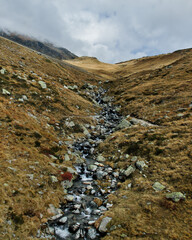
{"points": [[98, 201], [103, 224], [175, 196], [56, 216], [158, 186], [53, 210], [140, 165], [100, 174], [92, 168], [5, 92], [143, 123], [123, 124], [74, 228], [92, 234], [109, 205], [91, 222], [63, 220], [30, 176], [42, 84], [134, 159], [66, 184], [129, 171], [69, 198], [53, 179], [67, 158], [100, 158], [73, 88], [3, 71]]}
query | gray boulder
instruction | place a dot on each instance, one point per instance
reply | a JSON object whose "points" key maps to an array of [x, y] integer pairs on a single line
{"points": [[103, 224]]}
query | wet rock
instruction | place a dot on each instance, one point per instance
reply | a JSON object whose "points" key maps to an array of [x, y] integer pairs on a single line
{"points": [[91, 222], [140, 165], [175, 196], [74, 227], [103, 224], [101, 175], [109, 205], [129, 171], [56, 216], [63, 220], [92, 168], [116, 174], [100, 158], [103, 209], [69, 198], [53, 210], [158, 186], [123, 124], [42, 84], [66, 184], [92, 234], [77, 206], [5, 92]]}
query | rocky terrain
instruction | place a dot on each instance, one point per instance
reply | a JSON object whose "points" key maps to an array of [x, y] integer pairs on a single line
{"points": [[92, 150], [42, 47]]}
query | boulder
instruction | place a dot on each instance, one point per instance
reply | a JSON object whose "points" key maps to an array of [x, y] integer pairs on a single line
{"points": [[42, 84], [129, 171], [103, 224], [175, 196], [158, 186], [123, 124]]}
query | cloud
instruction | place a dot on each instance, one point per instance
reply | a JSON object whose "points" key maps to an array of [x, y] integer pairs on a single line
{"points": [[107, 29]]}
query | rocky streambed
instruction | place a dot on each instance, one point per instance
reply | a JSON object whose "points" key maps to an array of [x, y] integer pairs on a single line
{"points": [[86, 199]]}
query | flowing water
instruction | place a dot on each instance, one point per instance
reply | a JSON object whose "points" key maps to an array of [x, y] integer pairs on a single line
{"points": [[81, 213]]}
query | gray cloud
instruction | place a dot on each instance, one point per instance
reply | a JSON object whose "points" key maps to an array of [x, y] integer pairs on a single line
{"points": [[107, 29]]}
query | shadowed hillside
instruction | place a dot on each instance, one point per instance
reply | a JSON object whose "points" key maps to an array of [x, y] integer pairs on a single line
{"points": [[42, 47]]}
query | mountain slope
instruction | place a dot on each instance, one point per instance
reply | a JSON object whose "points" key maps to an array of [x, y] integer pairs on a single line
{"points": [[47, 104], [42, 47]]}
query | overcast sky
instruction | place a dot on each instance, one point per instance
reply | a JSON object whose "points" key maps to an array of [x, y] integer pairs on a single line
{"points": [[111, 30]]}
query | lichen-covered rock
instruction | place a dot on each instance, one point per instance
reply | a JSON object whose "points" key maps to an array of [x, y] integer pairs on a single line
{"points": [[158, 186], [123, 124], [129, 171], [5, 92], [175, 196], [140, 165], [42, 84], [100, 158]]}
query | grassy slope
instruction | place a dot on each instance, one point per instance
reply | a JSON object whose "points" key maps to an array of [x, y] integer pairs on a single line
{"points": [[156, 89], [30, 134], [152, 88]]}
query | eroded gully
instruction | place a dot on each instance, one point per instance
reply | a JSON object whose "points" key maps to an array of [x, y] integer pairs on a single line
{"points": [[87, 200]]}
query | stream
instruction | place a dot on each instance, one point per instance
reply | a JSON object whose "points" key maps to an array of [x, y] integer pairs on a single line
{"points": [[89, 201]]}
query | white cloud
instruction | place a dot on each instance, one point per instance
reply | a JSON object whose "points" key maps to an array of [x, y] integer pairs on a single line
{"points": [[108, 29]]}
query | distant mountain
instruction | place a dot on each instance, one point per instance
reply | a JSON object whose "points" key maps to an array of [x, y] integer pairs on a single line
{"points": [[43, 47]]}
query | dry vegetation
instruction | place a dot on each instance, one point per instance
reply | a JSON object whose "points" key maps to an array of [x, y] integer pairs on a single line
{"points": [[156, 89], [34, 134]]}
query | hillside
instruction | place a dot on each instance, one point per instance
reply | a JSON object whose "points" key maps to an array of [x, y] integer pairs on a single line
{"points": [[94, 150], [42, 47]]}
